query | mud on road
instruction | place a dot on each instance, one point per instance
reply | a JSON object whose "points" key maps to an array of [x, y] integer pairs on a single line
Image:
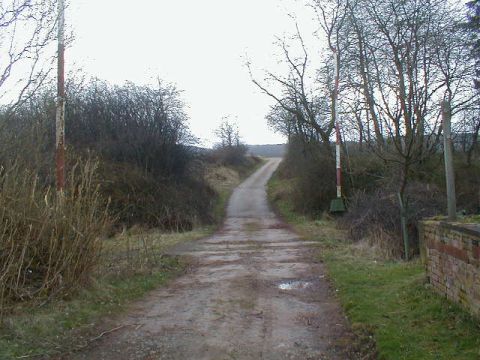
{"points": [[256, 292]]}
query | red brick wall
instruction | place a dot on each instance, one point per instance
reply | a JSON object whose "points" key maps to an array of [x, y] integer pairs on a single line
{"points": [[451, 253]]}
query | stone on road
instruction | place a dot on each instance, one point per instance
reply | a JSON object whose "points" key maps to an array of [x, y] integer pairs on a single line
{"points": [[256, 292]]}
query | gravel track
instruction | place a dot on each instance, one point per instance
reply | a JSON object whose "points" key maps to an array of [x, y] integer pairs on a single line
{"points": [[255, 292]]}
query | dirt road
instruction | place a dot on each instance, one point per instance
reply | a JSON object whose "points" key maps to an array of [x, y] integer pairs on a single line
{"points": [[256, 293]]}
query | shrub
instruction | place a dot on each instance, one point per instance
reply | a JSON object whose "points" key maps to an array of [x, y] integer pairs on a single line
{"points": [[140, 198], [314, 174], [362, 170], [375, 216], [467, 184]]}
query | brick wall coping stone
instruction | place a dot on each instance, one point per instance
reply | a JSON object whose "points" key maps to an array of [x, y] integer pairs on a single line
{"points": [[472, 229]]}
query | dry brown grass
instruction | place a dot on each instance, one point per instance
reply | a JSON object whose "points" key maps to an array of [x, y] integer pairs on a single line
{"points": [[222, 178], [49, 244]]}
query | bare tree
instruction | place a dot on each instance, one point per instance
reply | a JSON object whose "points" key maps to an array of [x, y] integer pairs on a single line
{"points": [[299, 100], [360, 78], [26, 31], [228, 133], [331, 17], [407, 56]]}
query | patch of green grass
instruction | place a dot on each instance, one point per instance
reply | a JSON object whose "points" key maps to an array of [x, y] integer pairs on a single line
{"points": [[471, 219], [389, 299], [278, 192], [220, 206], [392, 299]]}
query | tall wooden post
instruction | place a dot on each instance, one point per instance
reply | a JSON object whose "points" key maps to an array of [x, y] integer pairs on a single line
{"points": [[60, 116], [337, 128], [338, 144], [337, 205], [448, 153]]}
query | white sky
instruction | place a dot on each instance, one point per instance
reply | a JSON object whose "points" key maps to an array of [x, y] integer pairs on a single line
{"points": [[198, 45]]}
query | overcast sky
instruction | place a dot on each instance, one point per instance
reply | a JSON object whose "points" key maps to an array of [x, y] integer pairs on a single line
{"points": [[198, 45]]}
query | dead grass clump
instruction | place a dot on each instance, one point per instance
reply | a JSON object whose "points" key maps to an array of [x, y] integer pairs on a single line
{"points": [[386, 243], [48, 243], [222, 178]]}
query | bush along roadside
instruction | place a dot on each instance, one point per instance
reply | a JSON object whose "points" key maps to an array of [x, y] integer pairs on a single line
{"points": [[128, 266], [387, 300]]}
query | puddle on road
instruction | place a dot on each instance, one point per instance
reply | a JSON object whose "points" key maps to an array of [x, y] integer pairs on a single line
{"points": [[294, 285]]}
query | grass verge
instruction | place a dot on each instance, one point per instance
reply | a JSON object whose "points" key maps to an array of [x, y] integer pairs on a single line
{"points": [[130, 265], [388, 300]]}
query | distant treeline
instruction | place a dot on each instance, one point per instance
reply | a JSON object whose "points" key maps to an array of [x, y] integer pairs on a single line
{"points": [[268, 150]]}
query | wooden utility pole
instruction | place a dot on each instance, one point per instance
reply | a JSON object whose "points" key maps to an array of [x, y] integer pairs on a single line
{"points": [[338, 141], [337, 205], [448, 153], [60, 116]]}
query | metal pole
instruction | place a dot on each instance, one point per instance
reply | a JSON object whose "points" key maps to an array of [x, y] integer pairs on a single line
{"points": [[337, 128], [448, 153], [60, 116]]}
